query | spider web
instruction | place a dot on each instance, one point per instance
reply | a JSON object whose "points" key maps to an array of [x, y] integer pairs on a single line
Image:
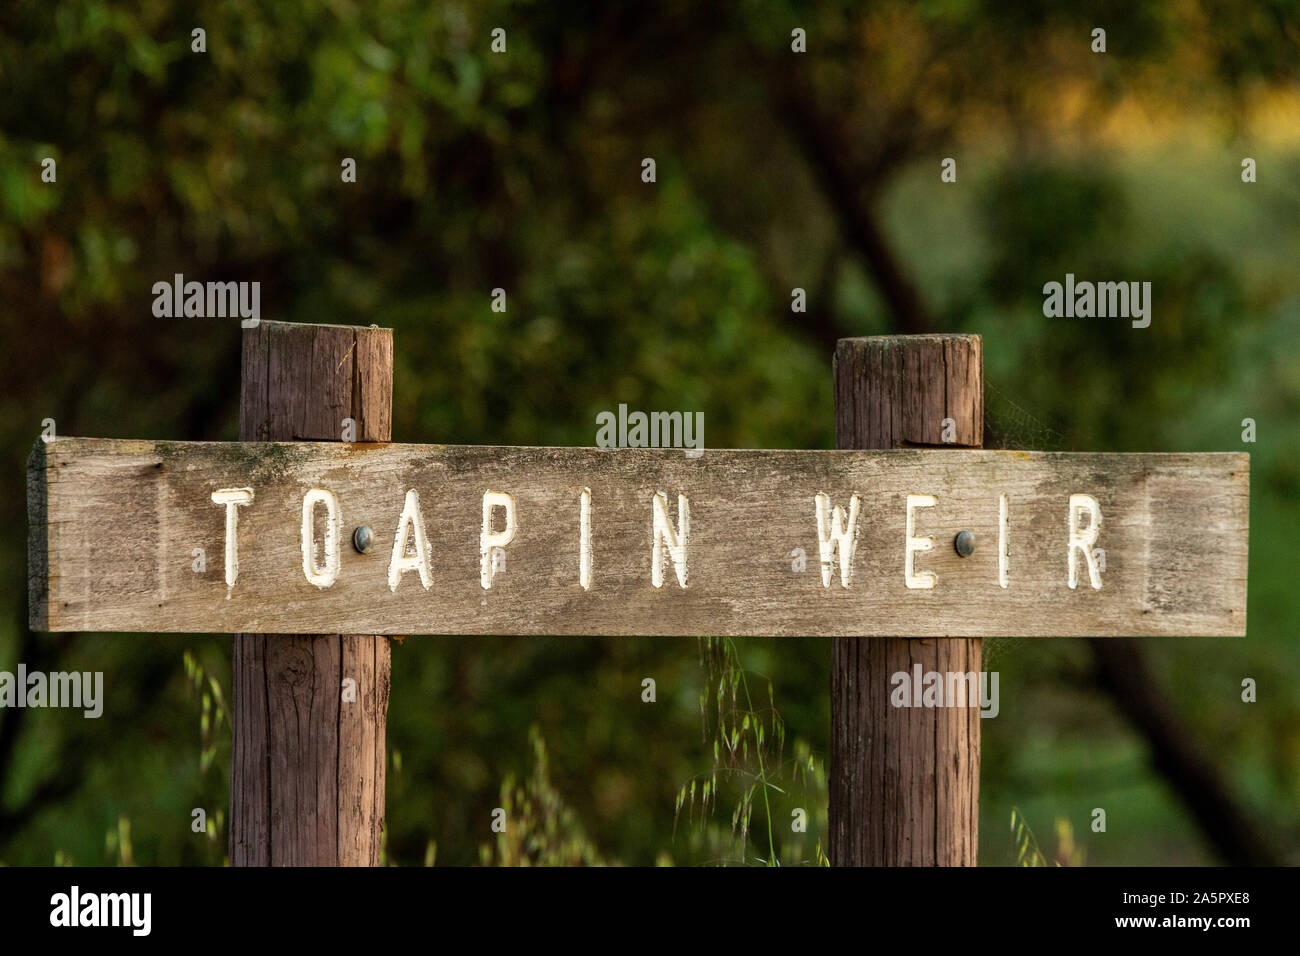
{"points": [[1008, 424]]}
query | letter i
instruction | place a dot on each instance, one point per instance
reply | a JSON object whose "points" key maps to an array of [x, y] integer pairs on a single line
{"points": [[1002, 541], [584, 553]]}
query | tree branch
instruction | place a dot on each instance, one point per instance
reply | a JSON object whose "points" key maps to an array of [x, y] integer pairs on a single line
{"points": [[826, 149], [1123, 670]]}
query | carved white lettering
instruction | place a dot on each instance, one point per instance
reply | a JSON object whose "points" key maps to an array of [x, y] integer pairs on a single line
{"points": [[834, 530], [1081, 542], [923, 579], [489, 539], [675, 539], [1003, 523], [411, 524], [321, 575], [233, 499], [584, 545]]}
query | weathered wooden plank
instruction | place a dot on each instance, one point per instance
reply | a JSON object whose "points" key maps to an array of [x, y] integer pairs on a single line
{"points": [[122, 519]]}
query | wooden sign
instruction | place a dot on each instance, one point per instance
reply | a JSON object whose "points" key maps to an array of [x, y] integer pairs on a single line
{"points": [[259, 537]]}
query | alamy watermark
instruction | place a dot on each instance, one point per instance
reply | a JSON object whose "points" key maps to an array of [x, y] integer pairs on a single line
{"points": [[653, 430], [211, 300], [84, 691], [924, 688], [133, 911], [1101, 300]]}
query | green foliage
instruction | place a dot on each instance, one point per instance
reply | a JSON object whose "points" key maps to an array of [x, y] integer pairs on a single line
{"points": [[1027, 852], [213, 713], [748, 763], [214, 752], [539, 828], [117, 843], [1026, 849]]}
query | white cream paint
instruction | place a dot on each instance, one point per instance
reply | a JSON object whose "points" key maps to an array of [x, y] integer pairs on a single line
{"points": [[838, 532], [674, 538], [410, 524], [233, 499], [321, 575], [923, 579], [1003, 523], [834, 530], [489, 539], [1081, 542], [584, 535]]}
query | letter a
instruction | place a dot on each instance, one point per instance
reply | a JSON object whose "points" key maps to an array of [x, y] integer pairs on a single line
{"points": [[410, 524]]}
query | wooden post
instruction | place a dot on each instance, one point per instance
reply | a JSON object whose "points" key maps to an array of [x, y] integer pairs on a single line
{"points": [[904, 788], [307, 766]]}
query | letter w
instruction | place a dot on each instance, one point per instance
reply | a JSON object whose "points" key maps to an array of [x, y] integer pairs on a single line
{"points": [[832, 532]]}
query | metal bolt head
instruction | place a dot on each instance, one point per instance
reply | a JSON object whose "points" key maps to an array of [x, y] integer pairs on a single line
{"points": [[363, 539], [964, 543]]}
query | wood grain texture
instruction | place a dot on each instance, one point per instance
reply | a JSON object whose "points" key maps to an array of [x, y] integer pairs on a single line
{"points": [[904, 781], [38, 542], [308, 768], [124, 516]]}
